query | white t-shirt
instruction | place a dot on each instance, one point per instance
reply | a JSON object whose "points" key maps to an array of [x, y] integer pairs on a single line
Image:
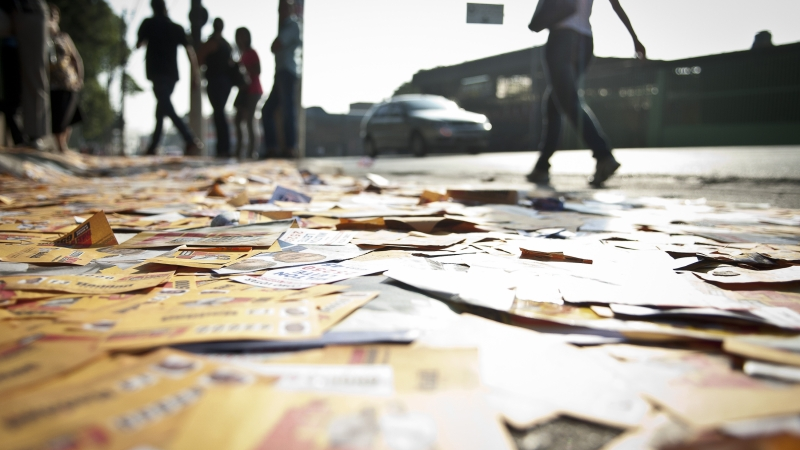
{"points": [[580, 20]]}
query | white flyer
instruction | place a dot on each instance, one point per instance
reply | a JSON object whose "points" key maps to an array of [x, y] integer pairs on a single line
{"points": [[306, 236], [304, 276], [374, 379], [297, 255]]}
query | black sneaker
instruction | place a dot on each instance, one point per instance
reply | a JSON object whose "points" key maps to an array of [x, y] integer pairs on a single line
{"points": [[194, 148], [605, 169], [538, 176]]}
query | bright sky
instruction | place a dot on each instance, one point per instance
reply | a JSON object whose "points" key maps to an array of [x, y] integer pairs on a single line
{"points": [[362, 50]]}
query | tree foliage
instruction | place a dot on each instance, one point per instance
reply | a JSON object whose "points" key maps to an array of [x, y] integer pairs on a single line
{"points": [[407, 88], [98, 116], [98, 35]]}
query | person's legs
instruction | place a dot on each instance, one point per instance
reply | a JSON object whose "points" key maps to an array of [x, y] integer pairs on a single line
{"points": [[69, 118], [160, 89], [268, 120], [218, 92], [32, 34], [169, 111], [237, 123], [568, 54], [566, 67], [286, 83], [555, 61], [590, 128], [250, 113], [551, 131], [12, 86], [59, 102]]}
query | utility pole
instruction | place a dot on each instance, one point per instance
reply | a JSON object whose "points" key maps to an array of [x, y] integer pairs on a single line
{"points": [[123, 84], [299, 11], [198, 16]]}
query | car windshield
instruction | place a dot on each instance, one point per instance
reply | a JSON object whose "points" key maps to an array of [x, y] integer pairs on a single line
{"points": [[427, 103]]}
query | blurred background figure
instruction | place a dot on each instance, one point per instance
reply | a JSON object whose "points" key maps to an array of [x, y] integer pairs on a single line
{"points": [[282, 98], [162, 38], [763, 39], [215, 55], [10, 72], [568, 52], [249, 95], [66, 81], [30, 20]]}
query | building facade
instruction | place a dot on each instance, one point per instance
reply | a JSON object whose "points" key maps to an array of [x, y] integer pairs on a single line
{"points": [[742, 98]]}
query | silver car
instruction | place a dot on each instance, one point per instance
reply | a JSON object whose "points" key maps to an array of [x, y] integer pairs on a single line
{"points": [[422, 123]]}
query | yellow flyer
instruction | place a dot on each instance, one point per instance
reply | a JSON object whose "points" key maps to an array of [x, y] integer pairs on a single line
{"points": [[416, 369], [33, 359], [49, 255], [333, 308], [248, 217], [86, 284], [314, 291], [209, 298], [95, 232], [220, 285], [167, 326], [66, 308], [201, 258], [115, 407], [26, 238], [276, 419]]}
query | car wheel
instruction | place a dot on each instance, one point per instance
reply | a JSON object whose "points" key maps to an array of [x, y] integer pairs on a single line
{"points": [[369, 148], [418, 146], [474, 150]]}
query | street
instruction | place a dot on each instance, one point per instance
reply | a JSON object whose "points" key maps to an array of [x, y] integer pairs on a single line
{"points": [[575, 327], [739, 174]]}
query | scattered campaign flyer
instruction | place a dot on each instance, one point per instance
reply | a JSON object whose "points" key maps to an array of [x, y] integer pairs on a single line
{"points": [[51, 255], [304, 276], [283, 194], [226, 321], [86, 284], [202, 258], [297, 255], [305, 236], [95, 232]]}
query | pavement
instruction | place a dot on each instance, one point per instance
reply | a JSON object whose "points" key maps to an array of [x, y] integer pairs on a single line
{"points": [[738, 174], [741, 174]]}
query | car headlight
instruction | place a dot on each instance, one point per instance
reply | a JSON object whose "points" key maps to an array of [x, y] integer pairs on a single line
{"points": [[487, 126]]}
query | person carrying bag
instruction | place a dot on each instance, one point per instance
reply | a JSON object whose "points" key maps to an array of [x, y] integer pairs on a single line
{"points": [[550, 12], [567, 55]]}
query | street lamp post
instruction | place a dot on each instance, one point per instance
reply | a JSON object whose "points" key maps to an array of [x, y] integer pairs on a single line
{"points": [[301, 114], [198, 16]]}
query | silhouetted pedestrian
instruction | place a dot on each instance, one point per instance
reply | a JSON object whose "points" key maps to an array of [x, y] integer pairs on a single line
{"points": [[248, 97], [30, 19], [286, 48], [763, 39], [10, 72], [162, 38], [215, 54], [66, 81], [568, 52]]}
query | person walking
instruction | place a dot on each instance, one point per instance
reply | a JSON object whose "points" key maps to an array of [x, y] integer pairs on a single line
{"points": [[30, 21], [215, 55], [286, 48], [162, 38], [10, 72], [249, 95], [567, 54], [66, 81]]}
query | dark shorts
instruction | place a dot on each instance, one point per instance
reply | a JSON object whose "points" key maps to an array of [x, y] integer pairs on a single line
{"points": [[64, 108]]}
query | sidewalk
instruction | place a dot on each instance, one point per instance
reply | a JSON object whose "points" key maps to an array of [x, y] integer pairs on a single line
{"points": [[146, 301]]}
